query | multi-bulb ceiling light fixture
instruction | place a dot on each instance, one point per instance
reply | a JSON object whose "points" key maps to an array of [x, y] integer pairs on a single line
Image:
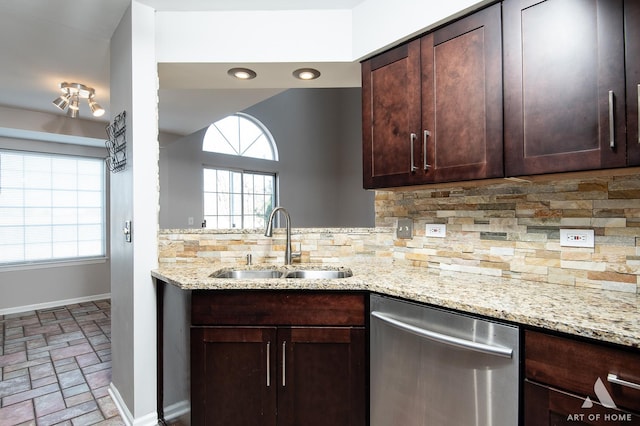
{"points": [[70, 98]]}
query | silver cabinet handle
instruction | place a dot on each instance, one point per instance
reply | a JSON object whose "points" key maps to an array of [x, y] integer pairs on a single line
{"points": [[500, 351], [425, 136], [612, 121], [638, 124], [612, 378], [413, 164], [284, 363], [268, 364]]}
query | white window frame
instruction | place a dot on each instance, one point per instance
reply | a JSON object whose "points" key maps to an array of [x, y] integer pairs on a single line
{"points": [[236, 162], [242, 215], [52, 223], [237, 151]]}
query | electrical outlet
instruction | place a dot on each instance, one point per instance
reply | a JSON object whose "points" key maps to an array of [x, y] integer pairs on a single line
{"points": [[190, 220], [405, 228], [577, 238], [438, 230]]}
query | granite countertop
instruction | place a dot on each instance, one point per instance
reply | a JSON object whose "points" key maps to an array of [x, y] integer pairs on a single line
{"points": [[599, 314]]}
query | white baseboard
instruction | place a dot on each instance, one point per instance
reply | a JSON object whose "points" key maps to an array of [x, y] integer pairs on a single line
{"points": [[126, 415], [177, 410], [54, 304], [150, 419]]}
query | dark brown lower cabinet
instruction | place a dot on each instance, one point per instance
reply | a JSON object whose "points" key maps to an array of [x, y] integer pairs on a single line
{"points": [[546, 406], [273, 373], [576, 382], [230, 373], [322, 376]]}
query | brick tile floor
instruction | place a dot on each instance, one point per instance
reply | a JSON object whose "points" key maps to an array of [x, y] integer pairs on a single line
{"points": [[55, 367]]}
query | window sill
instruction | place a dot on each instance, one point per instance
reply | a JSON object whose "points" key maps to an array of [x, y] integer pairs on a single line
{"points": [[52, 264]]}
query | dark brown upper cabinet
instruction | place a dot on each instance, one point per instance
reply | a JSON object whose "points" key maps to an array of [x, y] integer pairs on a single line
{"points": [[564, 85], [462, 99], [391, 117], [632, 61], [432, 108]]}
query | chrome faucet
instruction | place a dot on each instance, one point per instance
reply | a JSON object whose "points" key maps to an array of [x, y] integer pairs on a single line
{"points": [[269, 232]]}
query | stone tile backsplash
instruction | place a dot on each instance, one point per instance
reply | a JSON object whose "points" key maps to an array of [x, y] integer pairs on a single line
{"points": [[508, 228], [334, 246], [512, 229]]}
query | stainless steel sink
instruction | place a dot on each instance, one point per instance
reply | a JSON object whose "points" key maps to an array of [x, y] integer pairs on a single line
{"points": [[248, 274], [319, 274]]}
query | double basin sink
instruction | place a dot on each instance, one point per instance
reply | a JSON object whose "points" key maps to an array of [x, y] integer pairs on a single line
{"points": [[312, 273]]}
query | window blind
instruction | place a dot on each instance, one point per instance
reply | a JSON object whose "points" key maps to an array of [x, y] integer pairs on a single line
{"points": [[52, 207]]}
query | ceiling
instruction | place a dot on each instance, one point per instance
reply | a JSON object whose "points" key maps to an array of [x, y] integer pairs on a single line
{"points": [[46, 42]]}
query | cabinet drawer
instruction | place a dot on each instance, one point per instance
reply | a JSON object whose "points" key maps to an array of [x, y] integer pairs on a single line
{"points": [[277, 308], [544, 406], [576, 366]]}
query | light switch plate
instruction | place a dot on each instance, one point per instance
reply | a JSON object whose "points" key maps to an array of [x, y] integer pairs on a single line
{"points": [[438, 230], [577, 238], [127, 231], [405, 228]]}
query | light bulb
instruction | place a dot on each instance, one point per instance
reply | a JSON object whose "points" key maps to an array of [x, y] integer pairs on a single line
{"points": [[74, 103], [62, 101], [95, 108], [242, 73]]}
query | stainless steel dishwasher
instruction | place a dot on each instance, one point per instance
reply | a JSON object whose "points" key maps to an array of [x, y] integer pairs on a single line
{"points": [[435, 367]]}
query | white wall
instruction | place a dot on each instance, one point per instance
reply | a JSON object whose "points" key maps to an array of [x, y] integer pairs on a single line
{"points": [[299, 36], [356, 207], [121, 210], [338, 36], [317, 130], [24, 290], [254, 36], [16, 122], [380, 24], [36, 287], [319, 139], [134, 196], [44, 286]]}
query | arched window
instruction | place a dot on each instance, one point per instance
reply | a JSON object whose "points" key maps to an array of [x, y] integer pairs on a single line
{"points": [[238, 197], [242, 135]]}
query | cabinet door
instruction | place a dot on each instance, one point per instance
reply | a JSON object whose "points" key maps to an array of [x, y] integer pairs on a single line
{"points": [[545, 406], [632, 60], [391, 117], [584, 368], [233, 376], [462, 99], [322, 379], [563, 80]]}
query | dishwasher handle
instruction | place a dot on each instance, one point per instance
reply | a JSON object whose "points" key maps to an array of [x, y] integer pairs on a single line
{"points": [[500, 351]]}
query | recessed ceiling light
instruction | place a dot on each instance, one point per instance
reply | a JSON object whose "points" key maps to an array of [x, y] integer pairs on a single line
{"points": [[242, 73], [306, 74]]}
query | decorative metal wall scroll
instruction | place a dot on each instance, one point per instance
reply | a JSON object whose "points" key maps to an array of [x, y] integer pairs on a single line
{"points": [[117, 143]]}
